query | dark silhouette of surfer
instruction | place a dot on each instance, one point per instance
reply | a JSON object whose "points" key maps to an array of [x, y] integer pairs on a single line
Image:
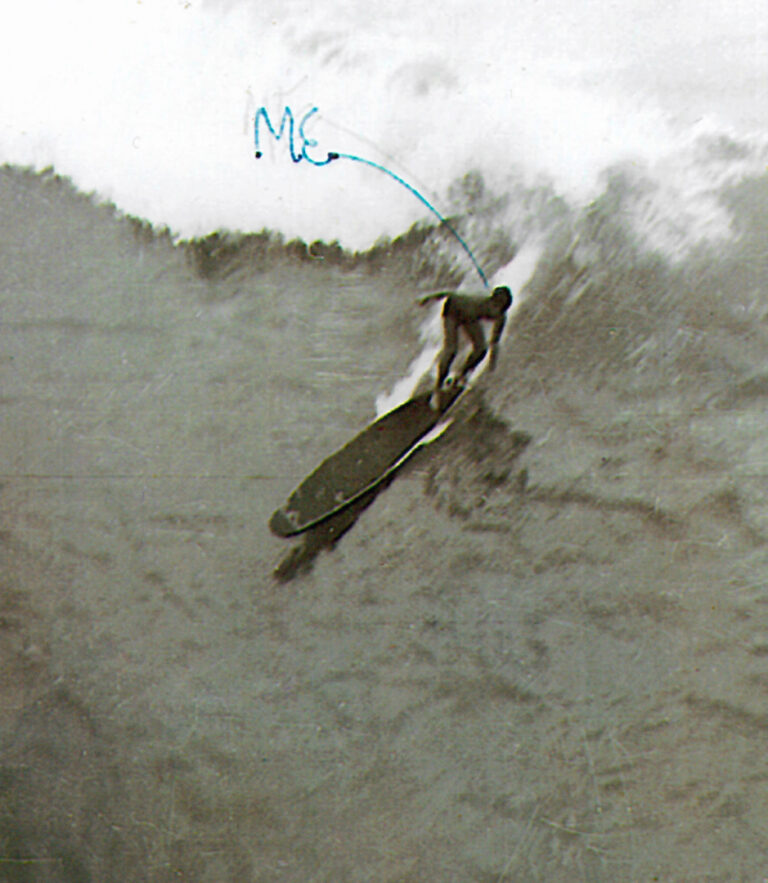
{"points": [[467, 312]]}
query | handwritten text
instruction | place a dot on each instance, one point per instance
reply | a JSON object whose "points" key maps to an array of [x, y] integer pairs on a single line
{"points": [[305, 150]]}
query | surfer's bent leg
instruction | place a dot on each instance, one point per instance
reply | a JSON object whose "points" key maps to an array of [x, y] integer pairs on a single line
{"points": [[479, 349], [450, 345]]}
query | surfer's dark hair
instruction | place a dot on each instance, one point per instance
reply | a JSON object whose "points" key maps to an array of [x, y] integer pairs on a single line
{"points": [[502, 294]]}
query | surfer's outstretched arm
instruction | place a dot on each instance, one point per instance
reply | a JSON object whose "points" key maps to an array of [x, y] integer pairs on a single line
{"points": [[429, 298]]}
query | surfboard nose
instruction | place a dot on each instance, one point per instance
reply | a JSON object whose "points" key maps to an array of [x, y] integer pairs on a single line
{"points": [[281, 525]]}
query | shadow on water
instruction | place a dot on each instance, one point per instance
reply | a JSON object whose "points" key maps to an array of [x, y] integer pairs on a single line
{"points": [[325, 535]]}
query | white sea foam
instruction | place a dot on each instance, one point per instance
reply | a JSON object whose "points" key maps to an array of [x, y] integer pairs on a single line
{"points": [[420, 368], [151, 104]]}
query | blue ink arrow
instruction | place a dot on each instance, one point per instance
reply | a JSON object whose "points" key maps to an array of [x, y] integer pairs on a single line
{"points": [[307, 143]]}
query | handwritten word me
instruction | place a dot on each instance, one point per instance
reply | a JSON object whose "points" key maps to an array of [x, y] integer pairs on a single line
{"points": [[288, 122]]}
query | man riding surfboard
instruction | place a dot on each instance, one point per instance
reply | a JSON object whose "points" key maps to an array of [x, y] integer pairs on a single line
{"points": [[467, 312]]}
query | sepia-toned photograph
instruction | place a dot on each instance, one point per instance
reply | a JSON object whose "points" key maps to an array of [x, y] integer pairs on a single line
{"points": [[384, 441]]}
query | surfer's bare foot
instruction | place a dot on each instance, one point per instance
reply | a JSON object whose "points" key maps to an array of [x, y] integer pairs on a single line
{"points": [[436, 400]]}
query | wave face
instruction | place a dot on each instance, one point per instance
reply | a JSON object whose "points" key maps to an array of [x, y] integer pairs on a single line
{"points": [[480, 109]]}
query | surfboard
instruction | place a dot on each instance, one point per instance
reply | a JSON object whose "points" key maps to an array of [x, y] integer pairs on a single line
{"points": [[362, 464]]}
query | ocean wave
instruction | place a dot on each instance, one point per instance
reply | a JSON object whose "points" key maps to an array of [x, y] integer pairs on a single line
{"points": [[157, 110]]}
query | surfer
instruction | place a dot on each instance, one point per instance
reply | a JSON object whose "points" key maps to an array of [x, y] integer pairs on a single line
{"points": [[467, 311]]}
